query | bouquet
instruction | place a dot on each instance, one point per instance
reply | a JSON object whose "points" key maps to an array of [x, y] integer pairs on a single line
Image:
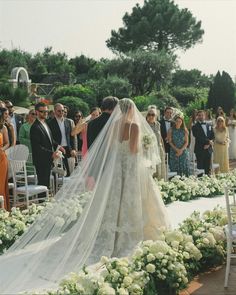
{"points": [[148, 140]]}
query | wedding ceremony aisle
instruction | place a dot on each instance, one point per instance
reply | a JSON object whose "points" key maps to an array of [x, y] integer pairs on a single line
{"points": [[210, 283]]}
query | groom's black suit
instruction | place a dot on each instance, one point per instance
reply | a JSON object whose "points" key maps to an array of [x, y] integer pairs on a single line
{"points": [[95, 126], [201, 139]]}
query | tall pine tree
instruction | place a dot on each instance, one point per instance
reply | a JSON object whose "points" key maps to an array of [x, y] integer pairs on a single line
{"points": [[222, 92]]}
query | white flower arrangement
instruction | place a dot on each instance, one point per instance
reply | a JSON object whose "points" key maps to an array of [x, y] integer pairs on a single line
{"points": [[148, 140]]}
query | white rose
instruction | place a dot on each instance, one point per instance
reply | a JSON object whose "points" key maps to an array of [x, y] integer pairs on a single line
{"points": [[123, 291], [151, 268], [150, 257], [127, 281]]}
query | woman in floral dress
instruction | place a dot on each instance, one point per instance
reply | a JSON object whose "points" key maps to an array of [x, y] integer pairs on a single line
{"points": [[178, 140]]}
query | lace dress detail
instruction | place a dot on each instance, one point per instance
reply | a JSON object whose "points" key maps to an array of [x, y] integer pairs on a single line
{"points": [[129, 217]]}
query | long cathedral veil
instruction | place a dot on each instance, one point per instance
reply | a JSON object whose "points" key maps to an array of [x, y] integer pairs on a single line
{"points": [[81, 224]]}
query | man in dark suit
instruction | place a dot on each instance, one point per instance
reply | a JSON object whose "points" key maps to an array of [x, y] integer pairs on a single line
{"points": [[96, 125], [165, 124], [204, 135], [61, 133], [15, 119], [43, 146]]}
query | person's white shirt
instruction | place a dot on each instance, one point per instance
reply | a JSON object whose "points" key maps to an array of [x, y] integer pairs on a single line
{"points": [[167, 124], [46, 128], [61, 124], [203, 125]]}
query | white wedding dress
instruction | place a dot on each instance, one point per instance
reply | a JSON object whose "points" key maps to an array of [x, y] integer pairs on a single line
{"points": [[232, 137], [124, 208]]}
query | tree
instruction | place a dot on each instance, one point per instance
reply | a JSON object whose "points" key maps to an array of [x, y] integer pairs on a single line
{"points": [[112, 85], [158, 25], [222, 92], [190, 78], [145, 71]]}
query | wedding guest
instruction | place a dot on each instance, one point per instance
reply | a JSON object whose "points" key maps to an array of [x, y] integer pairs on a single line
{"points": [[165, 126], [76, 131], [4, 144], [61, 133], [231, 124], [96, 125], [155, 125], [71, 160], [16, 119], [178, 140], [10, 127], [221, 144], [192, 122], [208, 117], [43, 145], [95, 112], [204, 135], [24, 132]]}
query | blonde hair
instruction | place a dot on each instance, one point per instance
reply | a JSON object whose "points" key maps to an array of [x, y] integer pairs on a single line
{"points": [[220, 118]]}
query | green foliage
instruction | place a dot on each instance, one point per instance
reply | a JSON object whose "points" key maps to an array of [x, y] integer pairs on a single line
{"points": [[157, 25], [222, 92], [145, 71], [197, 104], [161, 99], [190, 78], [75, 104], [85, 93], [113, 85], [18, 96], [185, 95]]}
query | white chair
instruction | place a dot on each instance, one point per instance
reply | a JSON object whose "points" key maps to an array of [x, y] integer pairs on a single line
{"points": [[214, 166], [230, 229], [32, 175], [169, 174], [22, 192], [18, 152], [193, 166]]}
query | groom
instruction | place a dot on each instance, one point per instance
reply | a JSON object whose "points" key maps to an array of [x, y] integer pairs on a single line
{"points": [[96, 125], [204, 135]]}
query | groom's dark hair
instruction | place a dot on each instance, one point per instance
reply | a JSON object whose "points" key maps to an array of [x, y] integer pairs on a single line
{"points": [[109, 103]]}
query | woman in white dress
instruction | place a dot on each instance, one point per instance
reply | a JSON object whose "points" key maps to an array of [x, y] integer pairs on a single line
{"points": [[124, 208], [231, 123]]}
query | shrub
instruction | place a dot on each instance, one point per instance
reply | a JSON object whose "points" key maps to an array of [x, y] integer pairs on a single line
{"points": [[85, 93], [74, 104], [185, 95], [160, 99]]}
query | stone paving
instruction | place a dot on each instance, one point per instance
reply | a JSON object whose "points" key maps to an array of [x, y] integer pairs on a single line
{"points": [[212, 283]]}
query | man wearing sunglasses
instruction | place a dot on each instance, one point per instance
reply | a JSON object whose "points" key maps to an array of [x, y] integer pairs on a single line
{"points": [[43, 145]]}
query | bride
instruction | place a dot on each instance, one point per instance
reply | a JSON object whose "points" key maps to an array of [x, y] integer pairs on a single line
{"points": [[121, 207]]}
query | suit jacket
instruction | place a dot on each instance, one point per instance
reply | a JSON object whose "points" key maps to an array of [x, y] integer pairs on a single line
{"points": [[95, 126], [164, 135], [42, 147], [56, 132], [201, 138]]}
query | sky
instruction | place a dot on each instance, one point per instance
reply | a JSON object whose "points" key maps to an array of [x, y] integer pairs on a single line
{"points": [[82, 27]]}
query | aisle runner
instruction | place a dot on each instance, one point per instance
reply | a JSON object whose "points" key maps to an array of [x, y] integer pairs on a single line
{"points": [[178, 211]]}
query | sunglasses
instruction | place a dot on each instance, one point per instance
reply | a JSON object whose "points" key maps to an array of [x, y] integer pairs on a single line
{"points": [[43, 112], [33, 114], [78, 116], [151, 115]]}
